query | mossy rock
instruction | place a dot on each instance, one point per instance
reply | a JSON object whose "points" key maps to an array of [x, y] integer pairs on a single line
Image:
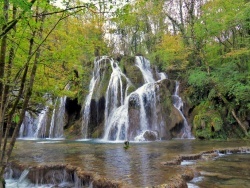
{"points": [[101, 87], [131, 89], [98, 132], [207, 125], [128, 67], [74, 130]]}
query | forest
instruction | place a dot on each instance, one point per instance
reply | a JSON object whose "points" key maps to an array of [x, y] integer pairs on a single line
{"points": [[205, 44]]}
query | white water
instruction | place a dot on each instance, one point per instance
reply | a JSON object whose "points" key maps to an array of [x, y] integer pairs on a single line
{"points": [[41, 125], [58, 119], [117, 101], [17, 183], [96, 76], [116, 118], [115, 113], [144, 66], [28, 126], [178, 104], [55, 178]]}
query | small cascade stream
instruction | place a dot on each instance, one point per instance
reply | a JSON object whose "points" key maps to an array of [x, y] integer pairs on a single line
{"points": [[42, 123], [179, 106], [95, 79], [48, 123], [123, 108], [58, 119]]}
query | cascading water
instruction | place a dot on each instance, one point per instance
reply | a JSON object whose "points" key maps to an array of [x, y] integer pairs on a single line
{"points": [[95, 80], [41, 125], [28, 126], [114, 99], [144, 66], [128, 116], [58, 119], [116, 115], [179, 106]]}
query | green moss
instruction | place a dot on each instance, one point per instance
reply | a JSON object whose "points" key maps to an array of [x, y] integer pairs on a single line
{"points": [[128, 67], [73, 131], [207, 122], [97, 133], [102, 86], [131, 89]]}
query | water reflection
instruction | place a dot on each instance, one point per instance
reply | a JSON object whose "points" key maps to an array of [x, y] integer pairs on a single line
{"points": [[138, 166], [117, 160], [226, 171]]}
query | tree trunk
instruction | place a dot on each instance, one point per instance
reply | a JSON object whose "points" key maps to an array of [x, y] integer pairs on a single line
{"points": [[243, 128], [2, 68]]}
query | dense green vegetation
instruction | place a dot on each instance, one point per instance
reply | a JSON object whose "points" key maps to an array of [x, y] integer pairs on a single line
{"points": [[205, 43]]}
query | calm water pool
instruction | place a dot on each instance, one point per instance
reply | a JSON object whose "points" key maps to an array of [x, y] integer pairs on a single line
{"points": [[139, 166]]}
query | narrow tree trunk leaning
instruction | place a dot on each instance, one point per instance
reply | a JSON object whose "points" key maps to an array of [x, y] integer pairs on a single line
{"points": [[6, 153], [240, 123], [20, 94], [243, 128], [26, 83], [2, 69], [28, 91], [2, 56]]}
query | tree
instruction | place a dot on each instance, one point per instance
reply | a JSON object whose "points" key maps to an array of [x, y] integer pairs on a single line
{"points": [[223, 32], [29, 51], [138, 27]]}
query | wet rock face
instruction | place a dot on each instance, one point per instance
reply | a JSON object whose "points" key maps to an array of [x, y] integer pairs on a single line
{"points": [[150, 135], [134, 123], [149, 106], [169, 119], [73, 110], [134, 116], [96, 114], [134, 101]]}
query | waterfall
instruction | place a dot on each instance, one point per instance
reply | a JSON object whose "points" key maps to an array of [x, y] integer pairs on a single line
{"points": [[28, 126], [179, 106], [115, 101], [128, 116], [34, 126], [23, 176], [96, 76], [14, 183], [41, 125], [144, 66], [58, 120], [116, 117]]}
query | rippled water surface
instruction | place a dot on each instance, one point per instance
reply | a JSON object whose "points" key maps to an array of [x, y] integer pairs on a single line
{"points": [[139, 166], [226, 171]]}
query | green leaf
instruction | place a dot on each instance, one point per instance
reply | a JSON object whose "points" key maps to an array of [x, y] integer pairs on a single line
{"points": [[16, 118]]}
